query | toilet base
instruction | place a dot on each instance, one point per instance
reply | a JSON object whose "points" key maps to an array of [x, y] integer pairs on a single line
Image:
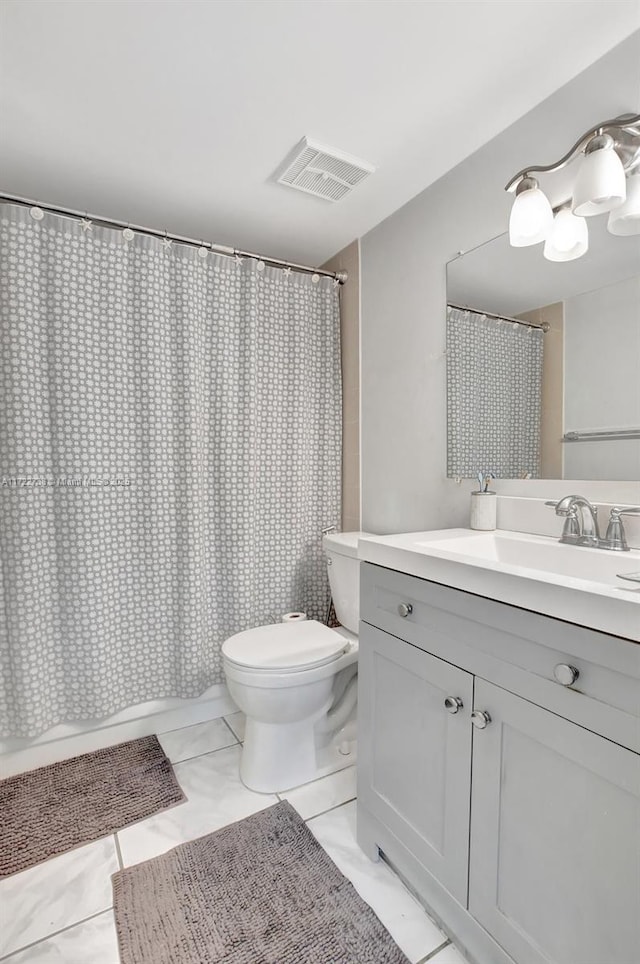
{"points": [[331, 752], [278, 756]]}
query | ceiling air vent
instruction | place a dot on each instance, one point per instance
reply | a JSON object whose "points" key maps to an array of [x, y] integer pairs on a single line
{"points": [[323, 171]]}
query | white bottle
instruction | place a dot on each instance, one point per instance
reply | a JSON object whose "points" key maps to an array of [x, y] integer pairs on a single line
{"points": [[483, 510]]}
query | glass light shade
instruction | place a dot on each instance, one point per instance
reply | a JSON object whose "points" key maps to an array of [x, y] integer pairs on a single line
{"points": [[568, 239], [531, 217], [600, 184], [625, 220]]}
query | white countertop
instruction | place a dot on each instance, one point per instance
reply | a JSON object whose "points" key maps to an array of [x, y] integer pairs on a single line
{"points": [[577, 584]]}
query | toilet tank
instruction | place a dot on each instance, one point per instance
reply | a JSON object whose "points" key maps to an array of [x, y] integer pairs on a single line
{"points": [[344, 575]]}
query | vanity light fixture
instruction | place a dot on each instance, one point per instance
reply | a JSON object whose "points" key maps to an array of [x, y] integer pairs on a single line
{"points": [[606, 182], [568, 238], [600, 184], [625, 220], [531, 215]]}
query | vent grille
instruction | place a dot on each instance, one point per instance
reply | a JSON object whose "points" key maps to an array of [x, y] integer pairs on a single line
{"points": [[323, 171]]}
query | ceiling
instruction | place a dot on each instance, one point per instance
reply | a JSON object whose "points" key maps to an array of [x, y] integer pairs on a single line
{"points": [[176, 113]]}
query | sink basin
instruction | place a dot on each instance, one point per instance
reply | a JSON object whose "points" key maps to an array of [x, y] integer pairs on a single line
{"points": [[574, 583], [522, 551]]}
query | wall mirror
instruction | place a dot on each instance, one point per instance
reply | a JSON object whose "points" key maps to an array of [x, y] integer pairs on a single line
{"points": [[543, 361]]}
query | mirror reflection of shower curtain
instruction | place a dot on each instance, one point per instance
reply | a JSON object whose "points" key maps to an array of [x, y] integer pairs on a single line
{"points": [[494, 391], [170, 450]]}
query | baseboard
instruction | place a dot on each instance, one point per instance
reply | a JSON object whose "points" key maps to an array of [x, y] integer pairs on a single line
{"points": [[71, 739]]}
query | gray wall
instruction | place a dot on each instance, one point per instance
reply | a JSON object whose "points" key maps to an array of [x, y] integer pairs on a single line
{"points": [[602, 334], [403, 293]]}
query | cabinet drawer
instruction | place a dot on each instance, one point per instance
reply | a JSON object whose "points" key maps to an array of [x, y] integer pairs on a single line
{"points": [[517, 649]]}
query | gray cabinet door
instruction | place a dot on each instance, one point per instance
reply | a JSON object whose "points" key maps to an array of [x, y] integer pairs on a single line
{"points": [[414, 757], [555, 837]]}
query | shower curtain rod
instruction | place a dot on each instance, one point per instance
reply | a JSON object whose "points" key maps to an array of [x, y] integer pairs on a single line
{"points": [[228, 252], [544, 327]]}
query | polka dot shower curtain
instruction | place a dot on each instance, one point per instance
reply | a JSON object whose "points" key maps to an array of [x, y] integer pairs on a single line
{"points": [[170, 449], [494, 392]]}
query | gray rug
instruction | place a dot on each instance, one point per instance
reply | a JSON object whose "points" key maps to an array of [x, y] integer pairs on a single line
{"points": [[261, 891], [59, 807]]}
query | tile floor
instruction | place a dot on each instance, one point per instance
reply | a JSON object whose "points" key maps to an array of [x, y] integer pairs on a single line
{"points": [[60, 912]]}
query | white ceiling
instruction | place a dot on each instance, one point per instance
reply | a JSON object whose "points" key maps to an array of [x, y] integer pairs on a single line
{"points": [[175, 113]]}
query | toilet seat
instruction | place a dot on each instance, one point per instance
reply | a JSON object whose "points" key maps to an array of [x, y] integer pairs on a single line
{"points": [[285, 647]]}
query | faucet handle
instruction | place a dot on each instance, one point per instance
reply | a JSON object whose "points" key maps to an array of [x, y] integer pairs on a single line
{"points": [[561, 507], [616, 537], [567, 505], [571, 531]]}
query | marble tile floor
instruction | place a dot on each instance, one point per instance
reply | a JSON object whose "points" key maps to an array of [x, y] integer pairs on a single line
{"points": [[60, 912]]}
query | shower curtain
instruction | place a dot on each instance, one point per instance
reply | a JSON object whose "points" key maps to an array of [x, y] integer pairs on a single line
{"points": [[494, 396], [170, 449]]}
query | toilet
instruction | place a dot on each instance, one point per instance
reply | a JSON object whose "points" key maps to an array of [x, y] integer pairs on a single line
{"points": [[296, 682]]}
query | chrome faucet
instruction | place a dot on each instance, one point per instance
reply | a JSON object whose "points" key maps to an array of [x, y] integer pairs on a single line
{"points": [[581, 524]]}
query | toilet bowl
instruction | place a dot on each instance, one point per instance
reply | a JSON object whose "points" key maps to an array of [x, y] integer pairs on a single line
{"points": [[297, 682]]}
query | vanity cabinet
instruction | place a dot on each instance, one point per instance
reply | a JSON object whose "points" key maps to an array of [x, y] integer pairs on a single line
{"points": [[554, 862], [415, 763], [521, 833]]}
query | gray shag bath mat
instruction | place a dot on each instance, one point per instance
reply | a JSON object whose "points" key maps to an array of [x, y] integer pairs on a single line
{"points": [[261, 891], [61, 806]]}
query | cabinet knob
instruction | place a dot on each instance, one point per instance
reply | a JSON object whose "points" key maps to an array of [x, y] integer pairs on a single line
{"points": [[405, 609], [453, 703], [566, 675], [480, 718]]}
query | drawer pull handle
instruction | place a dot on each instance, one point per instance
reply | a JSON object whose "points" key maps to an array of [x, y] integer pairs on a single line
{"points": [[453, 703], [566, 675], [405, 609], [480, 718]]}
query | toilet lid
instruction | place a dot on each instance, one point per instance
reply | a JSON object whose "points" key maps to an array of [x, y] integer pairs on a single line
{"points": [[285, 646]]}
